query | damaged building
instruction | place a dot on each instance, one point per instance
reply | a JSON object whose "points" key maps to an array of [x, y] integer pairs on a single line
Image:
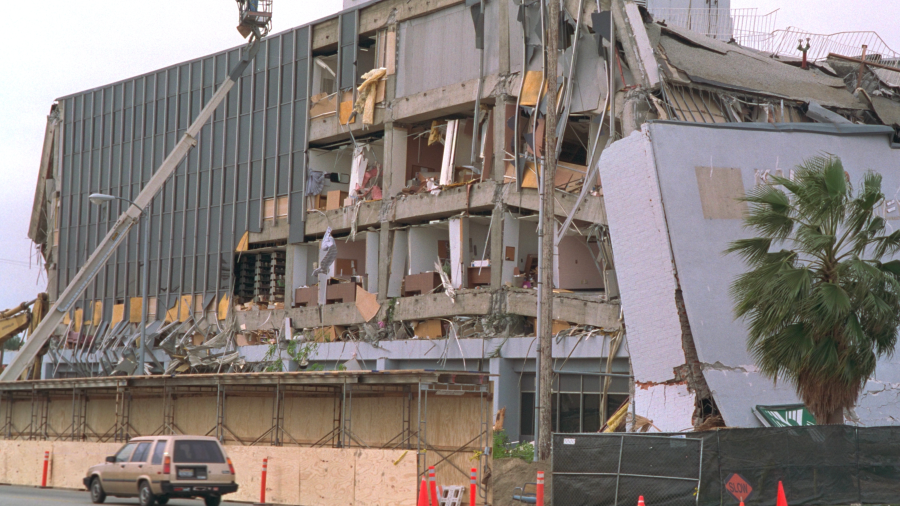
{"points": [[369, 190]]}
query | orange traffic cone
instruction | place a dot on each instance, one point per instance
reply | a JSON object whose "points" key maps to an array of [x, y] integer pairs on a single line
{"points": [[641, 501], [423, 494], [782, 500]]}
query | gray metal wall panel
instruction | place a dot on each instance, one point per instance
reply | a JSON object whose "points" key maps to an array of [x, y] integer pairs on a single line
{"points": [[116, 137], [298, 138], [438, 49]]}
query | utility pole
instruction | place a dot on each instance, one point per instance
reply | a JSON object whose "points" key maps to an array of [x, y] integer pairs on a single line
{"points": [[548, 220]]}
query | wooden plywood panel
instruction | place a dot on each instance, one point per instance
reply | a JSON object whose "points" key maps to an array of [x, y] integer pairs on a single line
{"points": [[719, 190], [532, 88], [59, 416], [283, 475], [21, 415], [309, 476], [146, 415], [346, 109], [79, 314], [97, 312], [377, 420], [327, 477], [281, 207], [269, 209], [21, 462], [68, 457], [248, 417], [118, 313], [446, 474], [452, 431], [100, 417], [134, 310], [244, 243], [222, 309], [184, 309], [197, 415], [383, 481], [308, 419]]}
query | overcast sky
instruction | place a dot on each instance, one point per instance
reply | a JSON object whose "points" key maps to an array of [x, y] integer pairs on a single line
{"points": [[67, 46]]}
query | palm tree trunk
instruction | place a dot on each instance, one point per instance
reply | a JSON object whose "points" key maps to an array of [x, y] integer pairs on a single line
{"points": [[836, 417]]}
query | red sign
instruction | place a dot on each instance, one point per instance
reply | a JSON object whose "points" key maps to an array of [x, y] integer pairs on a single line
{"points": [[737, 486]]}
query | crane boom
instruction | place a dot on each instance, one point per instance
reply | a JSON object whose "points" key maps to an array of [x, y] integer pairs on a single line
{"points": [[123, 224]]}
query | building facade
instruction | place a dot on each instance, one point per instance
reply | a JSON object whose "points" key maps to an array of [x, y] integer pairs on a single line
{"points": [[369, 189]]}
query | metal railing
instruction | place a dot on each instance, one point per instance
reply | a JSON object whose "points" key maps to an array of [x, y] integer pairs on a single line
{"points": [[745, 26], [757, 31]]}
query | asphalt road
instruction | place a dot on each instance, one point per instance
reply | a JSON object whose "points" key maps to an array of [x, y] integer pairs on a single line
{"points": [[12, 496]]}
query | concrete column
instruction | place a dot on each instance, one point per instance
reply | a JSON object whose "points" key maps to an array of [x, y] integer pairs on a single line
{"points": [[385, 248], [501, 136], [503, 35], [510, 240], [296, 272], [373, 240], [497, 250], [399, 252], [394, 177], [506, 394], [460, 253], [498, 169]]}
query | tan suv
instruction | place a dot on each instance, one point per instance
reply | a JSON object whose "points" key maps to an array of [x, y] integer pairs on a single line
{"points": [[156, 468]]}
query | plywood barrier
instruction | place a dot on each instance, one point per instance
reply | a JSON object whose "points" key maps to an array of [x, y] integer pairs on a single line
{"points": [[146, 416], [59, 415], [100, 416], [308, 476]]}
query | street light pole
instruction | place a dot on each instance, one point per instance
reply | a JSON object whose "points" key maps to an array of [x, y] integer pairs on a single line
{"points": [[145, 275], [100, 199]]}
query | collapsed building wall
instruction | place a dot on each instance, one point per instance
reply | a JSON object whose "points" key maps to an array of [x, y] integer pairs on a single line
{"points": [[674, 185]]}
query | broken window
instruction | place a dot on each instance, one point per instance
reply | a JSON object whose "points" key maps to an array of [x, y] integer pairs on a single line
{"points": [[575, 403], [355, 264], [259, 275], [345, 174], [448, 151]]}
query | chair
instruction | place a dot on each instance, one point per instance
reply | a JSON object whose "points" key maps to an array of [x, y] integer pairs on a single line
{"points": [[451, 495], [527, 498]]}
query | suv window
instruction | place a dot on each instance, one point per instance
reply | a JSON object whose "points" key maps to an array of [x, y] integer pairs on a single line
{"points": [[197, 452], [140, 455], [158, 453], [125, 452]]}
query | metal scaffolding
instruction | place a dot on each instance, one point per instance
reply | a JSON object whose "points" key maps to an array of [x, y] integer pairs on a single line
{"points": [[414, 388]]}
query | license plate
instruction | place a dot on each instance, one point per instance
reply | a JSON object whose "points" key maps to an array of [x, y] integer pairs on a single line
{"points": [[185, 473]]}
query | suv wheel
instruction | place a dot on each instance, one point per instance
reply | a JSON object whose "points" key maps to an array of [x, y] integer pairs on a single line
{"points": [[145, 495], [212, 500], [97, 493]]}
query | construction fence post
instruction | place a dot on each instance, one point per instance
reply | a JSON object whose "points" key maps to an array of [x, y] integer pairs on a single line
{"points": [[432, 485], [540, 488], [473, 487], [46, 468], [262, 485]]}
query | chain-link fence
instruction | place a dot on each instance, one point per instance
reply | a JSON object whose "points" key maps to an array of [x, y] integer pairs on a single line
{"points": [[817, 465], [615, 469]]}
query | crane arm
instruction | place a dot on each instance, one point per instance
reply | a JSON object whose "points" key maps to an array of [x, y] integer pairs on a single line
{"points": [[119, 230]]}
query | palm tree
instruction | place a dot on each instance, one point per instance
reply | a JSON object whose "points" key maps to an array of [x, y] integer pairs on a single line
{"points": [[820, 301]]}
